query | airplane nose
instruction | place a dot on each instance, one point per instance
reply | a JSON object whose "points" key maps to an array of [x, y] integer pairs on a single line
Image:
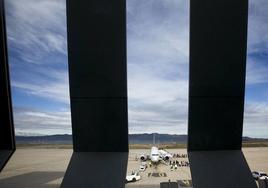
{"points": [[154, 159]]}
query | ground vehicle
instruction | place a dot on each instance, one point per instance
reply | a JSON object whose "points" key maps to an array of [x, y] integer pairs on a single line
{"points": [[259, 175], [143, 166], [135, 176], [263, 177]]}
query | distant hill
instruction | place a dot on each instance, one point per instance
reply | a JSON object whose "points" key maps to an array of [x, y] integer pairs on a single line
{"points": [[133, 139], [51, 139], [249, 139], [159, 138]]}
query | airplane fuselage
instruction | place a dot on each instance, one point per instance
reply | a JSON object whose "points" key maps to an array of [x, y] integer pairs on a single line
{"points": [[154, 154]]}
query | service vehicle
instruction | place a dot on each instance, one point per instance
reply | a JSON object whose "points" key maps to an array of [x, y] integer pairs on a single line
{"points": [[135, 176], [259, 175]]}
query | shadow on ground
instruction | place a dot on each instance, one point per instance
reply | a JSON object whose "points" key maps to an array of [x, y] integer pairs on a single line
{"points": [[226, 168], [32, 180]]}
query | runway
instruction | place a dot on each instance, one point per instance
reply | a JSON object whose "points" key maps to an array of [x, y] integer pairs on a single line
{"points": [[45, 168]]}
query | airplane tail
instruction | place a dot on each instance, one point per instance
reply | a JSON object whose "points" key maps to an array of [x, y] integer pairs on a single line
{"points": [[154, 139]]}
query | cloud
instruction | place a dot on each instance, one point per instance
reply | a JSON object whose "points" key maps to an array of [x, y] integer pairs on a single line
{"points": [[55, 87], [37, 44], [257, 42], [37, 41], [36, 29], [255, 119], [256, 71], [33, 122], [256, 103], [158, 32], [258, 25], [158, 52], [167, 117]]}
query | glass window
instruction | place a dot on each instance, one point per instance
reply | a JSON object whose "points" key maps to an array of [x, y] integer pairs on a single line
{"points": [[255, 132], [158, 71]]}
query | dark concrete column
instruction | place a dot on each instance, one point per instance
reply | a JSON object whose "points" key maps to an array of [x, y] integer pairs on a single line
{"points": [[98, 91], [97, 70], [218, 41], [7, 141]]}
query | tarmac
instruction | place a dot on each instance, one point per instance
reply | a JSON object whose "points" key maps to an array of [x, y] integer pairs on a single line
{"points": [[45, 168], [157, 173]]}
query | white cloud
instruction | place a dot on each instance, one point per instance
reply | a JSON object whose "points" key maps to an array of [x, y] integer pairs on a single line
{"points": [[158, 31], [36, 28], [158, 50], [257, 42], [56, 88], [258, 25], [156, 90], [255, 119], [33, 122], [256, 74]]}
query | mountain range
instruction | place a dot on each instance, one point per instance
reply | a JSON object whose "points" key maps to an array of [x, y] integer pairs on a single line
{"points": [[133, 139]]}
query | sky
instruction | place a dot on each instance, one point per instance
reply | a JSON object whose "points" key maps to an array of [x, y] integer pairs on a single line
{"points": [[157, 60]]}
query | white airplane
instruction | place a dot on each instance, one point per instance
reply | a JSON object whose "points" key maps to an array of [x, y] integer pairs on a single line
{"points": [[156, 155]]}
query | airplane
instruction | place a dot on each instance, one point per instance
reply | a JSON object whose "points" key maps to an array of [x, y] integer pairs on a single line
{"points": [[157, 155]]}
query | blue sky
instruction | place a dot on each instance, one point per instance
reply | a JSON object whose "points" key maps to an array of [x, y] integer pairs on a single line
{"points": [[158, 53]]}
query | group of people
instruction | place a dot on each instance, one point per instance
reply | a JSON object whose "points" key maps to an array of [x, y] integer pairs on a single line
{"points": [[180, 155], [175, 164]]}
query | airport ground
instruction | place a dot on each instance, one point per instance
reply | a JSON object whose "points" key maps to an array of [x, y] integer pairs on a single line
{"points": [[45, 167]]}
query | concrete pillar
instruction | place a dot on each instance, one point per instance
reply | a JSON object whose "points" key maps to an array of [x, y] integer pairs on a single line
{"points": [[98, 92], [97, 71], [218, 43]]}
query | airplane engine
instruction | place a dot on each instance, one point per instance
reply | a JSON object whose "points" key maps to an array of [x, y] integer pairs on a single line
{"points": [[166, 158], [143, 157]]}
